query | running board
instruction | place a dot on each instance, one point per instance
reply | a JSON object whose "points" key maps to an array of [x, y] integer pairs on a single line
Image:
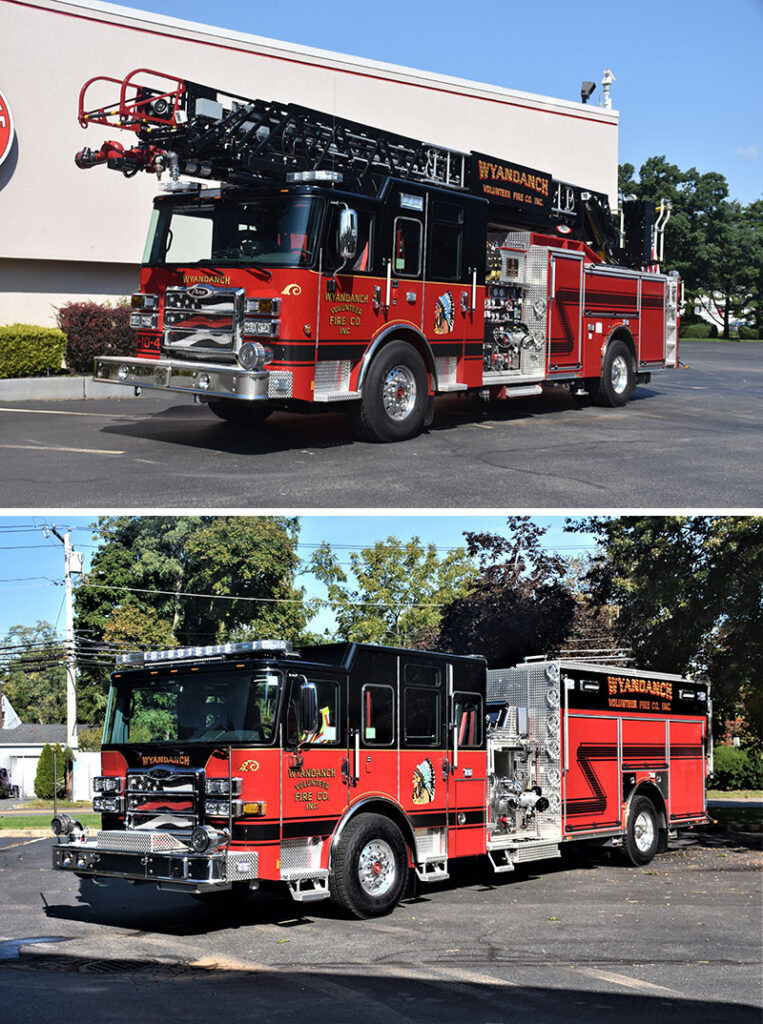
{"points": [[432, 871], [501, 861], [316, 889]]}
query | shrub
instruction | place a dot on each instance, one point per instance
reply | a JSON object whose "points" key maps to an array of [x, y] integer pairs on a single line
{"points": [[747, 333], [43, 780], [89, 738], [30, 351], [734, 768], [94, 329], [696, 331]]}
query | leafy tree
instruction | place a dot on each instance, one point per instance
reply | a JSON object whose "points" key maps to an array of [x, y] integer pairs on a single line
{"points": [[521, 604], [689, 593], [399, 591], [50, 778], [137, 591], [709, 240], [33, 675]]}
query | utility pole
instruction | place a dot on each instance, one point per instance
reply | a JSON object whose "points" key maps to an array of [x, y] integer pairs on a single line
{"points": [[73, 563]]}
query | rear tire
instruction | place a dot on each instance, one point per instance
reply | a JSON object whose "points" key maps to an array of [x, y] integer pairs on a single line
{"points": [[370, 866], [643, 836], [618, 376], [234, 410], [395, 402]]}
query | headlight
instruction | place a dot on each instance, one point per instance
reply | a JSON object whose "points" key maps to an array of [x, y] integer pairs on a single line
{"points": [[261, 328], [108, 784], [222, 808], [265, 307], [141, 301], [144, 321], [215, 787], [108, 804]]}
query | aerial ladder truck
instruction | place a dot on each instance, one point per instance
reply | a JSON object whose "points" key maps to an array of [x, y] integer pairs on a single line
{"points": [[298, 259]]}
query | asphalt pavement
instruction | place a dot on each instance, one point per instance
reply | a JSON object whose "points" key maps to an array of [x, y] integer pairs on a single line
{"points": [[581, 940], [692, 438]]}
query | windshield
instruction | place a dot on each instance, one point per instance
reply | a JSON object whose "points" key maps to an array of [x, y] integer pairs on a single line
{"points": [[280, 231], [230, 707]]}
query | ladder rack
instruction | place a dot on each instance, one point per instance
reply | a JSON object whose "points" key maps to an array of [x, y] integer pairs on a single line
{"points": [[235, 139]]}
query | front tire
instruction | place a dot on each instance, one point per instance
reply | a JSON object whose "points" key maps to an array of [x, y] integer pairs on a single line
{"points": [[234, 410], [370, 867], [618, 376], [642, 836], [395, 400]]}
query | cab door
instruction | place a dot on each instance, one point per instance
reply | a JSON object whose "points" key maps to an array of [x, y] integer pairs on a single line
{"points": [[313, 788], [405, 267]]}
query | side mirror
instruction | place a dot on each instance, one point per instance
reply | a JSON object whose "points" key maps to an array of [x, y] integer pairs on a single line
{"points": [[308, 708], [347, 234]]}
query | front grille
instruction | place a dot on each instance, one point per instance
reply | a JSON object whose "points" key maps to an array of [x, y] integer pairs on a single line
{"points": [[165, 797], [203, 321]]}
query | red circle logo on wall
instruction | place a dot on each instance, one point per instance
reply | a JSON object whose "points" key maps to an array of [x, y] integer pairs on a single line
{"points": [[6, 128]]}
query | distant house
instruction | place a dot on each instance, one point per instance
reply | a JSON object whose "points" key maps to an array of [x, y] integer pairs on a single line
{"points": [[20, 749]]}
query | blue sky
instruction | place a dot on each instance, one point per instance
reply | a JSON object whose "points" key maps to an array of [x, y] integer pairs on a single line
{"points": [[688, 82], [32, 566]]}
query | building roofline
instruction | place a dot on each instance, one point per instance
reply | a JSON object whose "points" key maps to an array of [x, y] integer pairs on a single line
{"points": [[147, 21]]}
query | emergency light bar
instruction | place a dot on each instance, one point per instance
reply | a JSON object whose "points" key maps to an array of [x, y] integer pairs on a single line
{"points": [[210, 651]]}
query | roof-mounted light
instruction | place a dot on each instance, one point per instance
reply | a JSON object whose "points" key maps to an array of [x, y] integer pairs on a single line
{"points": [[305, 177], [210, 651]]}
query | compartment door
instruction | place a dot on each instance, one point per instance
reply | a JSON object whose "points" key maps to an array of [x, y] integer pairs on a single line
{"points": [[565, 312], [592, 776]]}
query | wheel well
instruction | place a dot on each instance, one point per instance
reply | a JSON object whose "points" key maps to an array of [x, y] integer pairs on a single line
{"points": [[622, 334], [387, 810], [655, 797], [398, 333]]}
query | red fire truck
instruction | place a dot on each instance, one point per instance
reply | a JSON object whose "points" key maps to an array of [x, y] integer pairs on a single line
{"points": [[339, 263], [337, 770]]}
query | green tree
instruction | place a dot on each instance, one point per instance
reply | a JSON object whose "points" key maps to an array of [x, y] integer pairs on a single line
{"points": [[689, 595], [33, 674], [709, 239], [521, 604], [50, 778], [185, 580], [398, 592]]}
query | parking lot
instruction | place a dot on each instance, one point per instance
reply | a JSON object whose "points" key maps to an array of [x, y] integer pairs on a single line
{"points": [[693, 437], [581, 940]]}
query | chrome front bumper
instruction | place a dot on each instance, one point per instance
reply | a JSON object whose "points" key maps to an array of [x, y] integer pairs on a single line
{"points": [[208, 380], [170, 865]]}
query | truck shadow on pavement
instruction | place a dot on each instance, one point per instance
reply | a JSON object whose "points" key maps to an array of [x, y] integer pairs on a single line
{"points": [[187, 425], [411, 992]]}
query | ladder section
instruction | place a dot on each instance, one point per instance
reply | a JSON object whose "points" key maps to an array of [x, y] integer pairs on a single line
{"points": [[211, 134]]}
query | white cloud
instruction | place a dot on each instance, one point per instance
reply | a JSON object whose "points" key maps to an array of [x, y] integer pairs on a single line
{"points": [[747, 152]]}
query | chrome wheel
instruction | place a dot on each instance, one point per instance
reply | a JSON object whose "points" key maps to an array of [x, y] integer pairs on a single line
{"points": [[376, 867], [619, 375], [643, 832], [399, 392]]}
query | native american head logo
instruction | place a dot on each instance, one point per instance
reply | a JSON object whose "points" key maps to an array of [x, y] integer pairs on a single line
{"points": [[443, 314], [423, 782]]}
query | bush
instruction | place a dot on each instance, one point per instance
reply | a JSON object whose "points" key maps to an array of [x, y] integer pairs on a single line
{"points": [[43, 780], [30, 351], [697, 331], [747, 333], [734, 768], [94, 329], [89, 738]]}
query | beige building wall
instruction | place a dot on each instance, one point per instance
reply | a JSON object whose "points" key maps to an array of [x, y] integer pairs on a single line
{"points": [[69, 234]]}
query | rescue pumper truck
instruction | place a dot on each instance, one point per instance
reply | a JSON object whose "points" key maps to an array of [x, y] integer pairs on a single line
{"points": [[339, 263], [337, 770]]}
